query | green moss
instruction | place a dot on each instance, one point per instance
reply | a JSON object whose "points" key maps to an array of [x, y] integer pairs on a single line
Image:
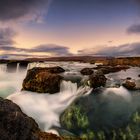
{"points": [[101, 135], [89, 135], [75, 117]]}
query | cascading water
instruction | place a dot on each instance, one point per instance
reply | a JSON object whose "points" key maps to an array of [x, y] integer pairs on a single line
{"points": [[3, 67], [10, 82], [46, 108]]}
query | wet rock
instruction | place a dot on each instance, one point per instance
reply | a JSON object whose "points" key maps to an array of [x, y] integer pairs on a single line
{"points": [[56, 69], [86, 71], [111, 69], [15, 125], [128, 78], [94, 113], [66, 134], [97, 80], [129, 84], [42, 81]]}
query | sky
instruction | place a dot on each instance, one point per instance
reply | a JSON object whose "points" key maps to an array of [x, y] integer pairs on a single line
{"points": [[49, 28]]}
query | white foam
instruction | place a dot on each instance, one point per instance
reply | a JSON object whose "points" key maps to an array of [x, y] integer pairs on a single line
{"points": [[46, 108], [121, 91]]}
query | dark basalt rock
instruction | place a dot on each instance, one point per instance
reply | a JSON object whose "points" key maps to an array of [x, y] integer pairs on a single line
{"points": [[86, 71], [111, 69], [129, 84], [97, 80], [41, 81], [15, 125], [55, 70], [128, 78]]}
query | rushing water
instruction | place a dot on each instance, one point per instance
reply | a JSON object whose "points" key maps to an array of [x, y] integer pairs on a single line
{"points": [[46, 108]]}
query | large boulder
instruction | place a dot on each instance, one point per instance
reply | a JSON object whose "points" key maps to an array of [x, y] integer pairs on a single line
{"points": [[15, 125], [55, 69], [41, 80], [129, 84], [86, 71], [97, 80]]}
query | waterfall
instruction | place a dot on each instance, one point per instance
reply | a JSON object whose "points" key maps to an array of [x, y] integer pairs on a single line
{"points": [[3, 67], [46, 108]]}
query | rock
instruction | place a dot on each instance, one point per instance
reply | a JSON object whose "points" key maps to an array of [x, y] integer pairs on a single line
{"points": [[127, 61], [15, 125], [97, 80], [129, 84], [56, 69], [139, 75], [86, 71], [94, 113], [42, 81], [128, 78], [111, 69], [11, 67], [66, 134]]}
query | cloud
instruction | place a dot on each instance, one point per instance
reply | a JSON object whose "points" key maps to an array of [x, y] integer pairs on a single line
{"points": [[6, 36], [51, 48], [20, 56], [7, 44], [122, 50], [16, 9], [134, 29]]}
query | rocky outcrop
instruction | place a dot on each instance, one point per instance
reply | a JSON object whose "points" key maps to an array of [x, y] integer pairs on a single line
{"points": [[43, 80], [128, 78], [97, 80], [15, 125], [86, 71], [130, 61], [129, 84], [55, 70], [111, 69]]}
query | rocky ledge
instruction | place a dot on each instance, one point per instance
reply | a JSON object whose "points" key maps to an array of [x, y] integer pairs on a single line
{"points": [[111, 69], [86, 71], [15, 125], [97, 80], [43, 80]]}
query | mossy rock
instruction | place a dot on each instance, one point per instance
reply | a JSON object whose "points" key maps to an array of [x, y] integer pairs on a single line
{"points": [[90, 118], [41, 80]]}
